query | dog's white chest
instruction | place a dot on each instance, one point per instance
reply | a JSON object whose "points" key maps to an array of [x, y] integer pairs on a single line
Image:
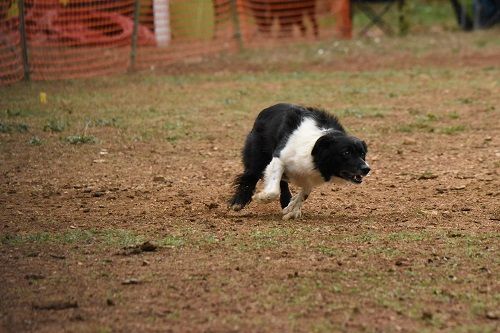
{"points": [[296, 155]]}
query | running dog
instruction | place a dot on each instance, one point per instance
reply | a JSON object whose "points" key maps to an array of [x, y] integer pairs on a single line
{"points": [[304, 146]]}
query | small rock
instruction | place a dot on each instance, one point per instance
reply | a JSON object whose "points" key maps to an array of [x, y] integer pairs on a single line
{"points": [[57, 256], [159, 178], [427, 175], [441, 190], [148, 247], [212, 205], [131, 281], [409, 141], [492, 315], [426, 315]]}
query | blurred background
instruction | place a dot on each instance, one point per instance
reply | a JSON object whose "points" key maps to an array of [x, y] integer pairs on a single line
{"points": [[60, 39]]}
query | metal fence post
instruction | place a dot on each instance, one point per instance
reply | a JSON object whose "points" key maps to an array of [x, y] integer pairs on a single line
{"points": [[236, 24], [135, 30], [402, 17], [24, 44]]}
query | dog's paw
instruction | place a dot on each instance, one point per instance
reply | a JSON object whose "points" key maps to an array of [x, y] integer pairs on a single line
{"points": [[293, 214], [294, 209], [236, 207], [293, 204], [266, 197]]}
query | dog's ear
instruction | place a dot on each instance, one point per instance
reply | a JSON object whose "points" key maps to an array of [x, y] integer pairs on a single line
{"points": [[322, 143], [365, 146]]}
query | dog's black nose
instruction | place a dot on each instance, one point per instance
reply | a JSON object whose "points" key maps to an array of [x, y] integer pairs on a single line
{"points": [[365, 169]]}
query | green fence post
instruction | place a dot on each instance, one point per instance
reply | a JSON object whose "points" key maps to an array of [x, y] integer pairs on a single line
{"points": [[24, 44], [236, 24], [135, 30]]}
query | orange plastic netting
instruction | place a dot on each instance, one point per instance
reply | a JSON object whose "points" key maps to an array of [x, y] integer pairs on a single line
{"points": [[11, 67], [83, 38]]}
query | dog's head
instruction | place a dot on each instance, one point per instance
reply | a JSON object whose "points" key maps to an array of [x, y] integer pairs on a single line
{"points": [[338, 155]]}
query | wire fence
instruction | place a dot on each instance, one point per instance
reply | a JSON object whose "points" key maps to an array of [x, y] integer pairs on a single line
{"points": [[65, 39]]}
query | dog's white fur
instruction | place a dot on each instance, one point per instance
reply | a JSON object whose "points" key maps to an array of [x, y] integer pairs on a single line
{"points": [[296, 163]]}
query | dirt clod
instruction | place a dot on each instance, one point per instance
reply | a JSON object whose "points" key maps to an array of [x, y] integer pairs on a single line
{"points": [[55, 305]]}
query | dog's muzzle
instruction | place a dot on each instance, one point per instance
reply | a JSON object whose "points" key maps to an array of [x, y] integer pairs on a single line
{"points": [[357, 177]]}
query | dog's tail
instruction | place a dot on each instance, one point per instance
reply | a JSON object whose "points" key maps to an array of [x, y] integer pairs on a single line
{"points": [[244, 186]]}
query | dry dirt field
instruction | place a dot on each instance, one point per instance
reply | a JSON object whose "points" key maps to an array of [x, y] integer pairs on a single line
{"points": [[113, 196]]}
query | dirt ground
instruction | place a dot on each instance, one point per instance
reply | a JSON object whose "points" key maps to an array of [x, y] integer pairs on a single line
{"points": [[413, 249]]}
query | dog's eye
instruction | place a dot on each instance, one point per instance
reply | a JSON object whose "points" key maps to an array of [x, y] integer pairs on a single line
{"points": [[346, 153]]}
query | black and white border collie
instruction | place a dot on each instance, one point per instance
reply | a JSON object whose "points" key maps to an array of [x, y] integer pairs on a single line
{"points": [[301, 145]]}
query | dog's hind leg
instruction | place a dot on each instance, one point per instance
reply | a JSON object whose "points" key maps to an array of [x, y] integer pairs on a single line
{"points": [[285, 195], [254, 161], [245, 186]]}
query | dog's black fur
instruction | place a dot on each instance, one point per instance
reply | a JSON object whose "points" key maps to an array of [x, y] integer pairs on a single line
{"points": [[335, 153]]}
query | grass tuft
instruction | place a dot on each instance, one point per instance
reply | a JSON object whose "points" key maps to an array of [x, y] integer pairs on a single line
{"points": [[55, 125], [80, 139]]}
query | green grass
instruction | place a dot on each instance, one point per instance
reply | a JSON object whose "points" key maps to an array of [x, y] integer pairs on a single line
{"points": [[13, 127], [107, 237], [55, 125], [80, 139]]}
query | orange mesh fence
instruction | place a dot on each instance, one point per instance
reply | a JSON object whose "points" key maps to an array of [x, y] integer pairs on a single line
{"points": [[11, 67], [185, 28], [83, 38], [275, 20], [78, 38]]}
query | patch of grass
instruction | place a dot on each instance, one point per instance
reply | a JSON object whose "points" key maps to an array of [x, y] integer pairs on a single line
{"points": [[171, 241], [120, 237], [450, 130], [35, 141], [13, 127], [465, 100], [13, 113], [80, 139], [73, 236], [107, 237], [328, 251], [55, 125], [103, 122], [407, 236], [360, 113], [423, 123]]}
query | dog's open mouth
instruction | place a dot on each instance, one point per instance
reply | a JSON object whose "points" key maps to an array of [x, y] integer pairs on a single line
{"points": [[355, 178]]}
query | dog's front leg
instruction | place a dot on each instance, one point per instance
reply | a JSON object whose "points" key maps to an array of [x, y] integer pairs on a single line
{"points": [[294, 208], [272, 177]]}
